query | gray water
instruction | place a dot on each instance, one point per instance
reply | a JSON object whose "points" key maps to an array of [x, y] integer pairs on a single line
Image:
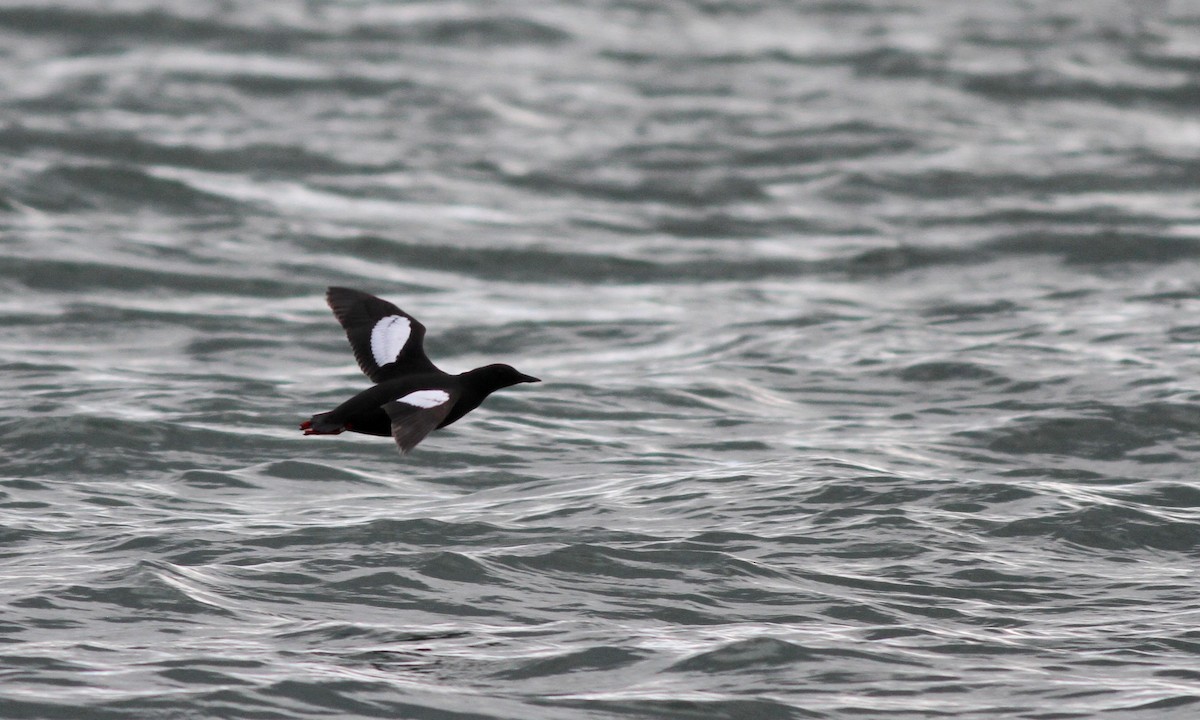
{"points": [[869, 335]]}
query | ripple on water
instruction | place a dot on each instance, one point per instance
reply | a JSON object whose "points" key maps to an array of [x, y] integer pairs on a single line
{"points": [[867, 333]]}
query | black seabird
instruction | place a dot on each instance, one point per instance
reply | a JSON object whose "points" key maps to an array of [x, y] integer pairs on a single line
{"points": [[411, 397]]}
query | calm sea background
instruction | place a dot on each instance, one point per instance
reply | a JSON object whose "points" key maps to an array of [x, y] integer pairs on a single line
{"points": [[869, 332]]}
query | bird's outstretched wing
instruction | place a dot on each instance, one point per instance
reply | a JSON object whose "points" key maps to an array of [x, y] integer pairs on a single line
{"points": [[387, 342], [416, 414]]}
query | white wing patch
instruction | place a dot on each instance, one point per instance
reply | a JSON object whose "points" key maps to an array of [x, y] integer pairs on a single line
{"points": [[425, 398], [388, 338]]}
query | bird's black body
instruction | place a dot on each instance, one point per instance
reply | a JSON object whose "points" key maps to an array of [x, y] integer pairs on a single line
{"points": [[411, 397]]}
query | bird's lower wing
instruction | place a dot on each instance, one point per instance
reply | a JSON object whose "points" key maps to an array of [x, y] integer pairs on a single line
{"points": [[416, 415]]}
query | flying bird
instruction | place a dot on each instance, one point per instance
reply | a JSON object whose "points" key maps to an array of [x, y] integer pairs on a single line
{"points": [[411, 397]]}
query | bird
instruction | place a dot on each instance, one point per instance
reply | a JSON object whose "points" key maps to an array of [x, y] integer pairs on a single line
{"points": [[411, 397]]}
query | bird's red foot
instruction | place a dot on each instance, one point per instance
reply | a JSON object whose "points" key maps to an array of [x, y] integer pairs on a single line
{"points": [[308, 429]]}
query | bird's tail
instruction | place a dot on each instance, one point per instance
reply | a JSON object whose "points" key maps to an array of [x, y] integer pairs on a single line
{"points": [[319, 425]]}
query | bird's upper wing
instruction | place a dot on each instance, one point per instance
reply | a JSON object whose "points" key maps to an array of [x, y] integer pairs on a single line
{"points": [[387, 341], [416, 414]]}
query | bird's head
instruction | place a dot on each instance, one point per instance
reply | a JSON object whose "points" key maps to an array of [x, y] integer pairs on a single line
{"points": [[494, 377]]}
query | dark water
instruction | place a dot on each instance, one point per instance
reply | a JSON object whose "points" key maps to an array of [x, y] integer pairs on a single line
{"points": [[869, 332]]}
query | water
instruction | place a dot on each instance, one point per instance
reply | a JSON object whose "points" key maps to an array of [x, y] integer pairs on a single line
{"points": [[868, 330]]}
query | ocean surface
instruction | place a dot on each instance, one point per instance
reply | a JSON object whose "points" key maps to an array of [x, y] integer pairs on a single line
{"points": [[869, 332]]}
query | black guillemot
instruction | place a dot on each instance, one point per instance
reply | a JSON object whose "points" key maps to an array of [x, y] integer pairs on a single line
{"points": [[411, 397]]}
